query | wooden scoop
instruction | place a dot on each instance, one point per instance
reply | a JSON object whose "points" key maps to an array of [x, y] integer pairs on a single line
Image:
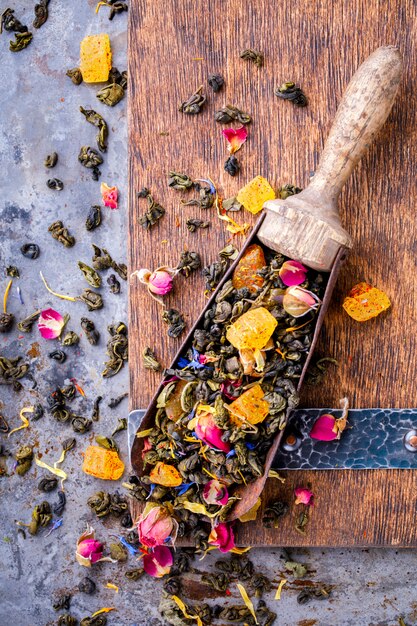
{"points": [[307, 226]]}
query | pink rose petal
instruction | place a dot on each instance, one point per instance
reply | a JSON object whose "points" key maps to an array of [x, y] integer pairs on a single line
{"points": [[235, 138], [90, 549], [298, 301], [158, 562], [292, 273], [303, 496], [324, 428], [222, 537], [109, 195], [215, 492], [156, 527], [50, 324], [207, 430], [160, 282]]}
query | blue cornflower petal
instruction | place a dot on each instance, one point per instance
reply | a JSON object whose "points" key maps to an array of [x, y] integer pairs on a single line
{"points": [[183, 488], [131, 549], [230, 454]]}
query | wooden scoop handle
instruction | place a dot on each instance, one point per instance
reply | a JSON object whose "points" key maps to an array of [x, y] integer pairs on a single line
{"points": [[307, 226], [363, 110]]}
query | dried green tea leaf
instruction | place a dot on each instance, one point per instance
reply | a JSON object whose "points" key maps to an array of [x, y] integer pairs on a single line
{"points": [[194, 103], [61, 234], [51, 160], [97, 120], [22, 40], [216, 82], [75, 75], [290, 91], [230, 113], [90, 275], [176, 322], [9, 22], [93, 218], [55, 184], [111, 94], [41, 13], [181, 182], [150, 361], [298, 569], [194, 224], [252, 55]]}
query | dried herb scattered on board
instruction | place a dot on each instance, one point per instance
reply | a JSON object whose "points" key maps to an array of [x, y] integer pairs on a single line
{"points": [[61, 234], [194, 104], [41, 13], [230, 113], [117, 350], [91, 159], [97, 120], [51, 160], [154, 212], [216, 82], [257, 58], [290, 91], [93, 218]]}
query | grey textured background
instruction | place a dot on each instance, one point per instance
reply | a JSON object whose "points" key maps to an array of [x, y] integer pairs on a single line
{"points": [[40, 113]]}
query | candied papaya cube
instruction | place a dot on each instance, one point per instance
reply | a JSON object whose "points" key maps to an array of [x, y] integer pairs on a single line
{"points": [[364, 302], [252, 330], [102, 463], [245, 274], [249, 407], [95, 58], [255, 194]]}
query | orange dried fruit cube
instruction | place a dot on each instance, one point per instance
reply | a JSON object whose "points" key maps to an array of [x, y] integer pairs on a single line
{"points": [[255, 194], [102, 463], [250, 407], [252, 330], [245, 273], [166, 475], [95, 58], [364, 302]]}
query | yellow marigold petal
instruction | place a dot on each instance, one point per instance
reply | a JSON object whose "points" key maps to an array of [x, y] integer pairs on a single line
{"points": [[165, 475], [247, 601], [184, 610], [26, 409], [102, 463], [280, 586], [251, 515]]}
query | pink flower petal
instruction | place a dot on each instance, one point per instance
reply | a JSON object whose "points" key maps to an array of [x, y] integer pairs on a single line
{"points": [[222, 537], [158, 562], [303, 496], [215, 492], [156, 527], [207, 430], [109, 195], [298, 301], [235, 137], [90, 549], [50, 324], [160, 282], [324, 428], [292, 273]]}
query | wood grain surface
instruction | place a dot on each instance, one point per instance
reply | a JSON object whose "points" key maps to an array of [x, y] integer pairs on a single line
{"points": [[173, 46]]}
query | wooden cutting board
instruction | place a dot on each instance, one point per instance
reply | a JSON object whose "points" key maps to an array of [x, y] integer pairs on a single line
{"points": [[173, 46]]}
